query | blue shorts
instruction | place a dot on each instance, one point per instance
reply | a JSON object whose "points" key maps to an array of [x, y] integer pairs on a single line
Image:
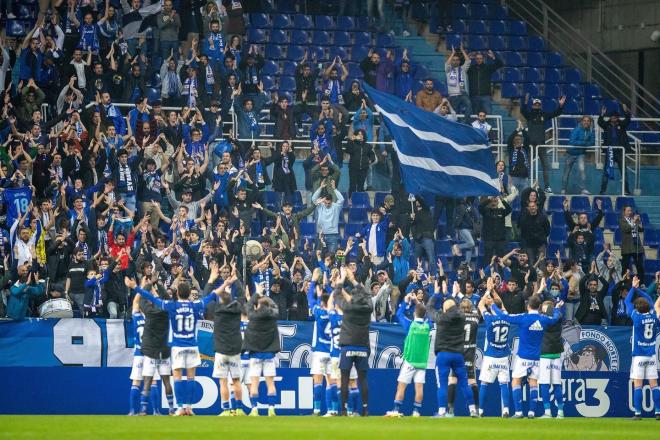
{"points": [[350, 356]]}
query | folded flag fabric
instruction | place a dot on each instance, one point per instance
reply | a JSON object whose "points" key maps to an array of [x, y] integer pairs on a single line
{"points": [[437, 156]]}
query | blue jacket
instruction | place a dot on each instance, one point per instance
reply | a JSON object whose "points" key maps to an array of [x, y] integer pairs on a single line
{"points": [[381, 234], [19, 296], [580, 138], [400, 265]]}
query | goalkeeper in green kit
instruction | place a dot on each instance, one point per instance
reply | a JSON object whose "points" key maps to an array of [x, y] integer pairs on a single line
{"points": [[415, 354]]}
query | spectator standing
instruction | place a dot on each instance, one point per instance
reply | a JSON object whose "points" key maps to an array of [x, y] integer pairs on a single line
{"points": [[376, 71], [519, 158], [362, 156], [327, 214], [536, 123], [614, 135], [534, 230], [479, 76], [632, 248], [169, 24], [457, 82], [494, 211], [428, 98], [582, 137]]}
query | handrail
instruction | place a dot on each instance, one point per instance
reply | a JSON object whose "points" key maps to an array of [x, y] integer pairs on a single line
{"points": [[598, 67]]}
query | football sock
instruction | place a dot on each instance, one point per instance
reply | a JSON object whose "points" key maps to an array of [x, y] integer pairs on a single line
{"points": [[190, 391], [180, 392], [559, 396], [397, 405], [517, 398], [135, 399], [506, 397], [417, 407], [451, 396], [272, 400], [545, 396], [475, 392], [154, 397], [329, 399], [334, 391], [637, 400], [318, 392], [482, 394]]}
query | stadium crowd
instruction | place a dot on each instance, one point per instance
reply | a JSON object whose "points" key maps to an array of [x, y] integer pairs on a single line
{"points": [[166, 188]]}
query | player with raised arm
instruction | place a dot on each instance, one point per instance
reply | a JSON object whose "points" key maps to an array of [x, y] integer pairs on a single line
{"points": [[469, 354], [227, 343], [183, 314], [531, 326], [354, 336], [138, 359], [495, 364], [552, 349], [321, 341], [449, 347], [262, 342], [415, 355], [644, 358]]}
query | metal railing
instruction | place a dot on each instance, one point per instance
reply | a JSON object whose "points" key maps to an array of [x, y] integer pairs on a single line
{"points": [[582, 53], [545, 149]]}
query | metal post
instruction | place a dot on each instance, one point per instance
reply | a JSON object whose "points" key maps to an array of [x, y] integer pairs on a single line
{"points": [[589, 63], [623, 171], [633, 96], [545, 21], [638, 168]]}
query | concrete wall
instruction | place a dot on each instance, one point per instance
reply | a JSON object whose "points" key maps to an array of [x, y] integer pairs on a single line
{"points": [[615, 26]]}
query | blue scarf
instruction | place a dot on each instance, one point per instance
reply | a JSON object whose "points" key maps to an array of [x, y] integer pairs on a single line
{"points": [[514, 157], [609, 163]]}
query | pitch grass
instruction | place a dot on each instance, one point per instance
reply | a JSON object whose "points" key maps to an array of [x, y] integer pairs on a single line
{"points": [[302, 427]]}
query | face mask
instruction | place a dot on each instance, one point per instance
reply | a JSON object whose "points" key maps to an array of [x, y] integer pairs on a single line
{"points": [[554, 293]]}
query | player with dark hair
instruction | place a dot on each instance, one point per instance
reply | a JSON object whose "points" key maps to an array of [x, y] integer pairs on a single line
{"points": [[262, 342], [495, 364], [318, 307], [531, 325], [183, 315], [138, 359], [449, 348], [644, 357], [552, 349], [354, 335]]}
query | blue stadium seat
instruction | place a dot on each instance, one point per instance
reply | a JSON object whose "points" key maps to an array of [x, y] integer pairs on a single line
{"points": [[624, 201], [270, 68], [460, 26], [552, 75], [256, 36], [580, 204], [557, 235], [652, 238], [259, 21], [153, 94], [479, 10], [532, 74], [362, 22], [295, 52], [443, 248], [308, 229], [321, 38], [607, 203], [611, 105], [496, 43], [453, 40], [337, 51], [384, 40], [617, 237], [558, 219], [499, 12], [496, 76], [287, 6], [646, 221], [497, 27], [554, 59], [592, 91], [536, 59], [517, 27], [517, 43], [25, 12], [461, 11], [301, 21], [289, 68], [358, 215], [278, 36], [352, 229], [287, 83], [422, 72], [269, 82], [342, 38], [274, 52], [345, 23], [573, 106], [477, 42], [536, 43], [532, 88], [511, 90], [272, 197], [552, 249], [611, 220], [572, 75], [477, 27], [281, 21], [549, 105], [358, 53], [362, 38], [379, 199], [324, 22], [360, 199], [299, 36], [556, 204], [317, 52], [354, 70], [512, 59], [511, 74]]}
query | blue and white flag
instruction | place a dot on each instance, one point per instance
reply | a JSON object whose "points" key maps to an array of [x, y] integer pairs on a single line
{"points": [[437, 156]]}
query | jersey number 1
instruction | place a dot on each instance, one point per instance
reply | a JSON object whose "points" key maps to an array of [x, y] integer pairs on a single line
{"points": [[185, 323]]}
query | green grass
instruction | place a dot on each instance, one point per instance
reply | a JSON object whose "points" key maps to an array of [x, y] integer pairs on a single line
{"points": [[295, 428]]}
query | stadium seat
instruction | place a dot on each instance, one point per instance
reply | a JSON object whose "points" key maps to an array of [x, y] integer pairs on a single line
{"points": [[384, 40], [571, 90], [153, 95], [281, 21], [650, 266], [461, 11], [256, 36], [611, 220], [532, 88], [362, 22], [301, 21], [268, 81], [337, 51], [342, 38], [549, 105], [511, 90], [308, 229], [270, 68], [536, 59], [558, 219], [580, 204], [477, 27], [552, 75], [591, 91], [646, 221], [552, 249], [532, 74], [498, 12], [299, 36], [345, 23], [324, 22], [556, 204], [497, 27], [551, 91], [607, 203], [443, 248], [592, 106], [379, 199], [554, 59], [360, 199], [517, 27], [511, 74], [517, 43], [497, 43], [352, 229], [573, 106], [289, 68], [274, 52], [259, 21], [453, 40], [479, 10], [362, 38], [617, 237], [512, 59], [287, 83], [572, 75], [320, 38], [536, 42], [358, 53], [278, 36], [477, 42], [652, 238], [318, 52], [557, 235], [460, 26], [621, 202], [358, 214]]}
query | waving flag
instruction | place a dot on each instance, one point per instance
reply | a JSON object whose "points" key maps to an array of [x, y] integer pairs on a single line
{"points": [[136, 22], [437, 156]]}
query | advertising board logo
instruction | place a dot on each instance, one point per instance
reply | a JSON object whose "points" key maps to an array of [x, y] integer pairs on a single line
{"points": [[589, 350]]}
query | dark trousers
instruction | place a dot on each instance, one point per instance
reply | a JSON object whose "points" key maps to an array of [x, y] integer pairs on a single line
{"points": [[493, 247], [638, 261], [449, 205], [618, 159], [356, 179]]}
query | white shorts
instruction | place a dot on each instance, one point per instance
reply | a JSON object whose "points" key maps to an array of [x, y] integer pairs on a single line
{"points": [[136, 369], [320, 363], [156, 368], [408, 374], [185, 357], [245, 371], [495, 368], [550, 371], [643, 367], [525, 368], [225, 365], [335, 372], [262, 367]]}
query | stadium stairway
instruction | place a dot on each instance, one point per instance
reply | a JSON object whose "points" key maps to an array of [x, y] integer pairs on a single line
{"points": [[423, 52]]}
